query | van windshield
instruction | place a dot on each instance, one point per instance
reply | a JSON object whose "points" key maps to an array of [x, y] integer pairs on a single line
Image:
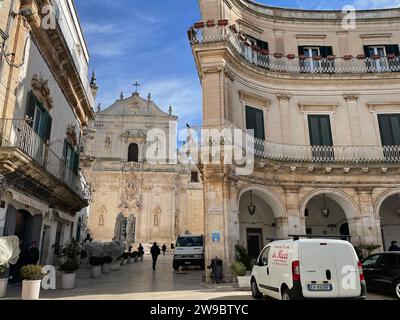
{"points": [[189, 242]]}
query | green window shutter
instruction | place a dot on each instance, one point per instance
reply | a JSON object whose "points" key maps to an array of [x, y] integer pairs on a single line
{"points": [[75, 165], [320, 130], [326, 51], [65, 152], [366, 52], [393, 49], [301, 50], [48, 127], [255, 121]]}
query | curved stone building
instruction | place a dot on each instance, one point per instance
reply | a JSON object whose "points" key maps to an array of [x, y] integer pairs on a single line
{"points": [[322, 93]]}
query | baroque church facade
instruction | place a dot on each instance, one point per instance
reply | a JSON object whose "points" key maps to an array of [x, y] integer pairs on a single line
{"points": [[137, 199]]}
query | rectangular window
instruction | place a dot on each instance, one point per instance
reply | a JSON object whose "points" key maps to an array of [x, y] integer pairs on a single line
{"points": [[41, 118], [321, 138], [389, 125], [310, 64], [255, 121], [382, 58], [71, 157], [194, 176]]}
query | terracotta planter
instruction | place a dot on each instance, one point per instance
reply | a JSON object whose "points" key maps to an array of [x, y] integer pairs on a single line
{"points": [[348, 57], [376, 57], [331, 58], [264, 52], [68, 281], [223, 23], [278, 55], [3, 287], [199, 25], [361, 56], [106, 268], [302, 57], [391, 56], [244, 282], [31, 289], [291, 56], [317, 58], [95, 271], [210, 23], [115, 266]]}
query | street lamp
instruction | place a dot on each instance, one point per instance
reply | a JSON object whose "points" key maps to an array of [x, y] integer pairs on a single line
{"points": [[325, 210], [251, 207]]}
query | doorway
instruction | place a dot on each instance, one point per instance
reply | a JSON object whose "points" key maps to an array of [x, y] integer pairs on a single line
{"points": [[254, 242]]}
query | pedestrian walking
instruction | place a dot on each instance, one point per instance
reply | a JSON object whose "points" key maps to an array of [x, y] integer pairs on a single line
{"points": [[155, 252], [164, 249]]}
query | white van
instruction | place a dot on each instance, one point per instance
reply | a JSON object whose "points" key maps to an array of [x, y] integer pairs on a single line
{"points": [[308, 268], [189, 251]]}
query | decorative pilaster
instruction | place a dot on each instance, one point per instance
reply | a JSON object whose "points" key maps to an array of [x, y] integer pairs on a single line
{"points": [[354, 118], [293, 210], [283, 99]]}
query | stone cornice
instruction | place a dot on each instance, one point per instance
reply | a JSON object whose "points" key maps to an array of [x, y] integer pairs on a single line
{"points": [[59, 61]]}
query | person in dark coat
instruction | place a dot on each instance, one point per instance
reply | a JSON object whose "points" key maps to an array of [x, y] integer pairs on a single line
{"points": [[164, 249], [394, 247], [33, 254], [155, 252]]}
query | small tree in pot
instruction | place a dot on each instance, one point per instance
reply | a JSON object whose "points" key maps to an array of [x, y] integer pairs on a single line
{"points": [[71, 251], [32, 276], [239, 270], [9, 254]]}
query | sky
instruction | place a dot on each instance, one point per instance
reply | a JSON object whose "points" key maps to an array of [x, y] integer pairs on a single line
{"points": [[146, 41]]}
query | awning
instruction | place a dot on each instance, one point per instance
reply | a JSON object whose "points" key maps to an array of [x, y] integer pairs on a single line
{"points": [[65, 216], [29, 201]]}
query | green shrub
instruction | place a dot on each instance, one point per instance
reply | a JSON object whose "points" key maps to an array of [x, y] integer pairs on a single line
{"points": [[3, 269], [243, 256], [107, 259], [72, 250], [69, 266], [238, 269], [96, 261], [32, 272]]}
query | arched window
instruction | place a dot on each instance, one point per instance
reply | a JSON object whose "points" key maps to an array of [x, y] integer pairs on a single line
{"points": [[133, 153]]}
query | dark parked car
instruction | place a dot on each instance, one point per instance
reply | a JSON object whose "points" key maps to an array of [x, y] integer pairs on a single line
{"points": [[382, 272]]}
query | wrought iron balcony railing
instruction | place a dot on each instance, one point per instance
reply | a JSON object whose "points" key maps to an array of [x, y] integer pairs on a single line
{"points": [[291, 63], [20, 135]]}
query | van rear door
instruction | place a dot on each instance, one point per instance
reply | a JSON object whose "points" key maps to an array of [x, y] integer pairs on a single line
{"points": [[347, 270], [318, 274]]}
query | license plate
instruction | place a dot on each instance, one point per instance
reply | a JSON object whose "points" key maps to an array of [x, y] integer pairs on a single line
{"points": [[319, 287]]}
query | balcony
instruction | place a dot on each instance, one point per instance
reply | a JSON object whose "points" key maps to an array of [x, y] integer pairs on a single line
{"points": [[201, 35], [208, 141], [29, 164]]}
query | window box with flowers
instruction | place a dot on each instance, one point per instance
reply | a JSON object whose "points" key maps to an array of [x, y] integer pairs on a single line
{"points": [[199, 25], [317, 58], [348, 57], [210, 23], [361, 57], [278, 55], [223, 23], [290, 56], [391, 56], [331, 58]]}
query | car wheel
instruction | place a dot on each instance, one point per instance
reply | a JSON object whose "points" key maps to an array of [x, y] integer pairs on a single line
{"points": [[254, 290], [286, 295], [397, 289]]}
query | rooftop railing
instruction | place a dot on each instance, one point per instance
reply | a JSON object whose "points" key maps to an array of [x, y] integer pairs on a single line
{"points": [[290, 63]]}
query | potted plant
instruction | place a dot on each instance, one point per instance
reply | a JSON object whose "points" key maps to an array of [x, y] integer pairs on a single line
{"points": [[115, 249], [210, 23], [9, 254], [71, 251], [95, 266], [135, 256], [95, 254], [106, 267], [239, 270], [32, 276], [361, 56], [278, 55], [68, 278], [199, 25], [290, 56], [223, 23], [348, 57]]}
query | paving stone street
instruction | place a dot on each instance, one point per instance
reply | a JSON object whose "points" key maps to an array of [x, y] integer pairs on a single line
{"points": [[138, 282]]}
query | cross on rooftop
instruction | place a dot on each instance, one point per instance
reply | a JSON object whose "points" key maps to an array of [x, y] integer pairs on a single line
{"points": [[137, 85]]}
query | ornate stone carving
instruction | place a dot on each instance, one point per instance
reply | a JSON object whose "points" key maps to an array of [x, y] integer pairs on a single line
{"points": [[137, 136], [131, 198], [72, 135], [41, 90], [157, 216]]}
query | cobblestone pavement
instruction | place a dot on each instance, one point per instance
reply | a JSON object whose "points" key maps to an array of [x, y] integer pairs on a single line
{"points": [[138, 282]]}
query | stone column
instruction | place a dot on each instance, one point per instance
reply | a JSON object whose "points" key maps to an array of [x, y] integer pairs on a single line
{"points": [[368, 220], [283, 99], [282, 227], [354, 118], [295, 226]]}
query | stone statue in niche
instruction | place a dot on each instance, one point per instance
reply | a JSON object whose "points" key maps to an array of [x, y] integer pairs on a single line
{"points": [[107, 143], [157, 213]]}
